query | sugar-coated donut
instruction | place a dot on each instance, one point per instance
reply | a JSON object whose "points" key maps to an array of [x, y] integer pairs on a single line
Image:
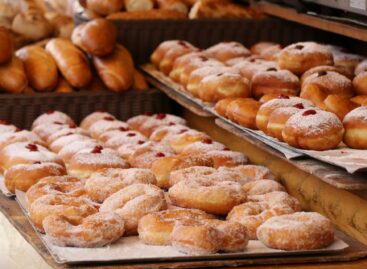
{"points": [[252, 171], [202, 146], [56, 185], [265, 110], [65, 132], [122, 138], [273, 81], [313, 130], [266, 50], [179, 141], [23, 176], [83, 164], [105, 124], [156, 228], [277, 198], [164, 132], [45, 130], [93, 117], [211, 196], [326, 68], [359, 83], [113, 133], [6, 127], [227, 50], [227, 158], [347, 61], [243, 111], [135, 122], [249, 67], [66, 140], [221, 105], [126, 150], [262, 186], [163, 47], [133, 202], [339, 105], [96, 230], [355, 124], [301, 56], [74, 208], [104, 183], [68, 151], [297, 231], [52, 116], [189, 173], [8, 138]]}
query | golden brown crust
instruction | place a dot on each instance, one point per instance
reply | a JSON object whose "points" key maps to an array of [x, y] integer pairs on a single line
{"points": [[154, 14], [243, 111], [13, 78], [105, 7], [6, 46]]}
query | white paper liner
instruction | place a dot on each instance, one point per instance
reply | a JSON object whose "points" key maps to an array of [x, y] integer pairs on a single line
{"points": [[3, 187], [131, 249]]}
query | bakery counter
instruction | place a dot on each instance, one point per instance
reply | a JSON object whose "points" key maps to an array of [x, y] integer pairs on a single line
{"points": [[318, 186]]}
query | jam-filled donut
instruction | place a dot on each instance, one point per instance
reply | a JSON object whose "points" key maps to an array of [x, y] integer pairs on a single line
{"points": [[23, 176], [94, 117], [65, 132], [227, 158], [66, 140], [164, 132], [266, 50], [179, 141], [355, 124], [68, 151], [339, 105], [104, 125], [347, 61], [6, 127], [127, 149], [19, 136], [326, 68], [163, 47], [96, 230], [313, 130], [190, 172], [44, 131], [122, 138], [301, 56], [104, 183], [297, 231], [227, 50], [133, 202], [359, 83], [52, 116], [221, 105], [242, 111], [252, 171], [273, 81], [111, 134], [202, 146], [249, 67]]}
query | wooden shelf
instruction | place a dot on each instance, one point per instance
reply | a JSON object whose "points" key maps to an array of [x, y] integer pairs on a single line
{"points": [[290, 14]]}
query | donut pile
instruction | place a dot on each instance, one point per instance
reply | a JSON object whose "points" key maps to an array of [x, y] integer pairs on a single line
{"points": [[150, 176], [329, 81]]}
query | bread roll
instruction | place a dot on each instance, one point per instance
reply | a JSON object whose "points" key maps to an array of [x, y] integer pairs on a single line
{"points": [[71, 61], [105, 7], [138, 5], [12, 76], [6, 46], [98, 37], [40, 67], [63, 86], [76, 36], [154, 14], [62, 25], [178, 5], [140, 82], [116, 70]]}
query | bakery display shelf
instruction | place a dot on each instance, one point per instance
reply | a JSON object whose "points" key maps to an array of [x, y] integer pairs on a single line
{"points": [[290, 14], [175, 91]]}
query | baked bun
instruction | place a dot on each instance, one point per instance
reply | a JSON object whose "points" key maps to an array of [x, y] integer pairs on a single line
{"points": [[359, 83], [339, 105], [355, 124], [140, 83], [138, 5], [301, 56], [313, 130], [63, 86], [266, 50], [272, 81], [105, 7], [6, 46], [13, 78], [116, 70], [227, 50]]}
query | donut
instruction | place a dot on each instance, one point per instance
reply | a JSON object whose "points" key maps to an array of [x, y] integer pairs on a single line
{"points": [[65, 132], [265, 110], [267, 97], [180, 63], [96, 230], [52, 116], [297, 231], [133, 202], [156, 228], [355, 124], [44, 131], [348, 61], [266, 50], [242, 111], [6, 127], [252, 171], [190, 173], [163, 167], [329, 82], [111, 134], [146, 154], [273, 81], [315, 95], [94, 117], [249, 67], [83, 164], [56, 185], [127, 149], [257, 187], [19, 136], [313, 130], [224, 51], [302, 56], [124, 138], [359, 83], [326, 68], [278, 118], [104, 183], [202, 146], [213, 88], [227, 158], [361, 67], [339, 105], [211, 196], [74, 208], [68, 151], [136, 121], [160, 133], [179, 141], [221, 106], [277, 198], [253, 214], [23, 176], [66, 140], [163, 47], [104, 125], [26, 153], [359, 99]]}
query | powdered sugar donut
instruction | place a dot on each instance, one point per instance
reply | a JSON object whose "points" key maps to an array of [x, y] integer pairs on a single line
{"points": [[94, 117], [262, 186], [126, 150], [68, 151], [297, 231], [103, 184], [227, 158], [224, 51], [66, 140], [164, 132], [190, 172], [105, 124], [134, 202], [249, 67], [277, 198], [130, 137], [52, 116], [157, 120], [179, 141], [65, 132], [96, 230], [111, 134], [253, 171], [202, 146], [19, 136], [6, 127], [355, 124], [45, 130]]}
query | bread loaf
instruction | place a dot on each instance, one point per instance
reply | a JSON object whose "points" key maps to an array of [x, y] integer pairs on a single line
{"points": [[138, 5], [178, 5], [6, 46], [105, 7], [12, 76]]}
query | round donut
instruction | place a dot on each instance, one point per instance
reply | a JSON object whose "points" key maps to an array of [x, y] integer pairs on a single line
{"points": [[52, 116], [65, 132], [156, 228], [121, 138], [133, 202], [265, 110], [359, 99], [44, 131], [136, 121], [227, 158], [8, 138], [326, 68], [275, 198], [103, 184], [126, 150], [242, 111], [179, 141], [68, 151], [66, 140], [224, 51], [273, 81], [313, 130], [94, 117], [361, 67], [221, 105], [297, 231], [266, 50], [211, 196], [252, 171], [184, 60], [189, 173], [202, 146], [162, 49], [110, 134], [6, 127], [347, 61], [96, 230], [302, 56], [160, 133], [257, 187], [56, 185], [23, 176], [253, 214], [339, 105], [249, 67], [359, 83], [355, 124], [75, 208], [104, 125]]}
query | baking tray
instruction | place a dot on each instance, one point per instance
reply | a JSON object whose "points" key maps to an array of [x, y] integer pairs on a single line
{"points": [[131, 250]]}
